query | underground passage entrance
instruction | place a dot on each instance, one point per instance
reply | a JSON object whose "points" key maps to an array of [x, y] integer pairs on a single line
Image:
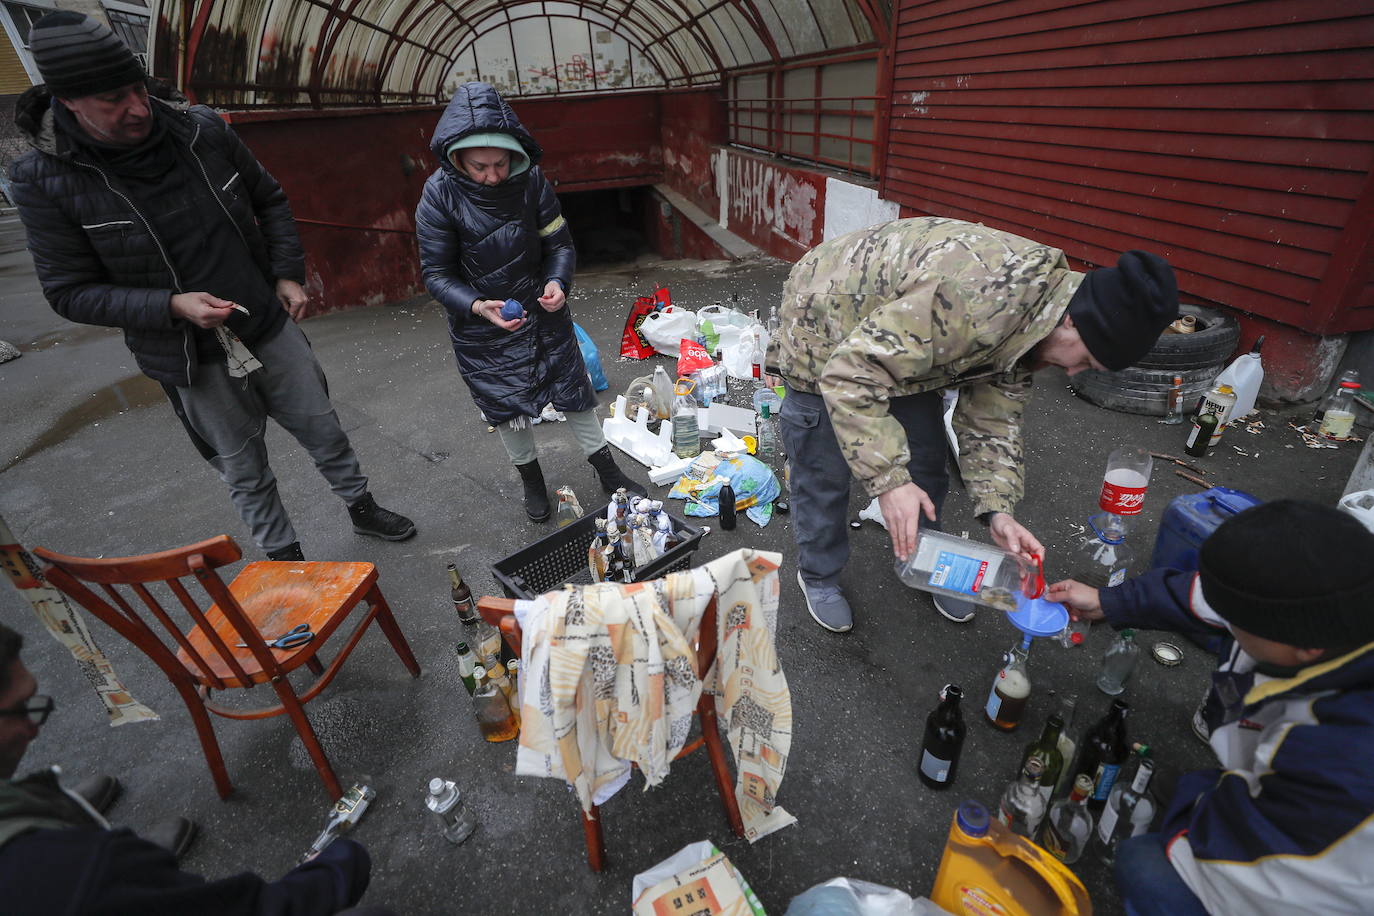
{"points": [[610, 226]]}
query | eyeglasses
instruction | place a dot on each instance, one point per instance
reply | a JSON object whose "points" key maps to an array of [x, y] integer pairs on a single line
{"points": [[36, 709]]}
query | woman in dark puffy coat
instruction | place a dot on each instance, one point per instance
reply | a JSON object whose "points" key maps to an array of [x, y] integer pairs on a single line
{"points": [[490, 229]]}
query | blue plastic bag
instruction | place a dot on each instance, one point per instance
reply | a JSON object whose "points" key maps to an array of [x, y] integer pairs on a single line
{"points": [[754, 484], [591, 358]]}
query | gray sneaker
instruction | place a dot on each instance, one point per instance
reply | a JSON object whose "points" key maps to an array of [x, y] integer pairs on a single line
{"points": [[827, 606], [955, 609]]}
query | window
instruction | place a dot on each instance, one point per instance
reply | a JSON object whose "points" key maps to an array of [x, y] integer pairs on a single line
{"points": [[130, 27], [24, 17]]}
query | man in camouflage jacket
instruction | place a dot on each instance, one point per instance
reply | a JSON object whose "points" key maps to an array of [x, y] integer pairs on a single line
{"points": [[874, 325]]}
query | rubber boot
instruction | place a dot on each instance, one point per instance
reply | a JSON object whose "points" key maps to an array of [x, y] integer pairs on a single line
{"points": [[536, 493], [611, 477]]}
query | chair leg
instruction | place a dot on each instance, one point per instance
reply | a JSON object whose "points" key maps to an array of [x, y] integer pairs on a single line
{"points": [[315, 665], [209, 744], [715, 750], [596, 842], [294, 709], [387, 622]]}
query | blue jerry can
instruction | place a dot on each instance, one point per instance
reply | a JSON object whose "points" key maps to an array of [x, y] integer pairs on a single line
{"points": [[1190, 519]]}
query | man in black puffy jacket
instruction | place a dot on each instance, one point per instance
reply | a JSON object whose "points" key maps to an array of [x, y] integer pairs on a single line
{"points": [[147, 215]]}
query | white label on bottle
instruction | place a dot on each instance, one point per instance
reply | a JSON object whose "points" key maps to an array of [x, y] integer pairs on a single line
{"points": [[1192, 436], [1107, 824], [1117, 577], [933, 767], [994, 704]]}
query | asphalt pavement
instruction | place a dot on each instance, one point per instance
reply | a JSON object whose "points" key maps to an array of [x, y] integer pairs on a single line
{"points": [[93, 462]]}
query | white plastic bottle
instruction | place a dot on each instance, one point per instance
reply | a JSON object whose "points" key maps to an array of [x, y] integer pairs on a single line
{"points": [[1245, 376]]}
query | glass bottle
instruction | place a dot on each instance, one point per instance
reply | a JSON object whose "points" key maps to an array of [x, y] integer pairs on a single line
{"points": [[1023, 804], [1118, 663], [596, 553], [494, 716], [1119, 819], [1068, 708], [496, 673], [768, 434], [1338, 411], [1010, 689], [1200, 437], [463, 604], [569, 509], [513, 672], [1104, 751], [943, 741], [1220, 401], [686, 431], [484, 638], [456, 822], [1104, 559], [467, 663], [726, 501], [1067, 828], [1046, 750], [1173, 414]]}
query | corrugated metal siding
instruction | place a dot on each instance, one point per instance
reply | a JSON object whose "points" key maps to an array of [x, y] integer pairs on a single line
{"points": [[13, 77], [1235, 138]]}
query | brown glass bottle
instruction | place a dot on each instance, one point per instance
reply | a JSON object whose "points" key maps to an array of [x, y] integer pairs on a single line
{"points": [[494, 716]]}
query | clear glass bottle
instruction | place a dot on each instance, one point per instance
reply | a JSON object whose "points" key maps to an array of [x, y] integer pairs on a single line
{"points": [[493, 712], [1023, 804], [1338, 411], [569, 509], [467, 663], [596, 553], [1173, 413], [1068, 708], [1119, 820], [1046, 750], [686, 431], [1118, 663], [943, 740], [513, 672], [1067, 828], [456, 822], [1010, 689]]}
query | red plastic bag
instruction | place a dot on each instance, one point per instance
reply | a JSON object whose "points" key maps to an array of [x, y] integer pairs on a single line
{"points": [[632, 343], [694, 357]]}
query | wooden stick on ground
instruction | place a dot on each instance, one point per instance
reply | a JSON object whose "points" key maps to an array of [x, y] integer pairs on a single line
{"points": [[1178, 461], [1193, 479]]}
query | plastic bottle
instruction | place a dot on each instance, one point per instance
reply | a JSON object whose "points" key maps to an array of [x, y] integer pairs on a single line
{"points": [[1118, 820], [1338, 411], [1046, 750], [662, 401], [1068, 826], [686, 432], [961, 568], [569, 509], [768, 434], [1010, 689], [1221, 400], [1118, 663], [456, 822], [1125, 481], [726, 499], [943, 740], [1104, 559], [1075, 633], [1245, 376], [1023, 804]]}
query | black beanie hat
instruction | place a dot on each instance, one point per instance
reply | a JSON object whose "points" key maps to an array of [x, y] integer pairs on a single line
{"points": [[79, 56], [1121, 311], [1293, 572]]}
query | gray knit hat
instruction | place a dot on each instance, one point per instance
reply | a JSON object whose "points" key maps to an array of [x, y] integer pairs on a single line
{"points": [[79, 56]]}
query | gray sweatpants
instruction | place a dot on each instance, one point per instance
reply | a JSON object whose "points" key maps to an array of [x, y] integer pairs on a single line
{"points": [[231, 415]]}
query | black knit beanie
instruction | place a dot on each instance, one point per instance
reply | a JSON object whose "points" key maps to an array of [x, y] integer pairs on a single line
{"points": [[1293, 572], [1121, 311], [79, 56]]}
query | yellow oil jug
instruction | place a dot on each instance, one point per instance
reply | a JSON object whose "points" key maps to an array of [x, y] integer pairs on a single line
{"points": [[989, 871]]}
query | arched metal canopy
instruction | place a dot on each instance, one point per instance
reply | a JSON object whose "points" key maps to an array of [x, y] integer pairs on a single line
{"points": [[331, 52]]}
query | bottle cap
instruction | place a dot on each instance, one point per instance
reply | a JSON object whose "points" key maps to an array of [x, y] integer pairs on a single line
{"points": [[436, 786], [462, 647], [972, 818], [1167, 654], [1350, 385]]}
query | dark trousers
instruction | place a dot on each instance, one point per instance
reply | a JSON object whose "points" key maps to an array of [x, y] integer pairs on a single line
{"points": [[821, 478], [1149, 885]]}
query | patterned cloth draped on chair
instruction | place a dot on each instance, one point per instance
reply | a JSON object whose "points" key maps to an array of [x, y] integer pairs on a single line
{"points": [[608, 681]]}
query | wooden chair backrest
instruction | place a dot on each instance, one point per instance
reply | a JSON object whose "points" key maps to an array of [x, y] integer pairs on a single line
{"points": [[70, 575]]}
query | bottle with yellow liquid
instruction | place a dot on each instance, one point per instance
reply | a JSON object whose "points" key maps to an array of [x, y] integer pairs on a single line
{"points": [[988, 869], [494, 716]]}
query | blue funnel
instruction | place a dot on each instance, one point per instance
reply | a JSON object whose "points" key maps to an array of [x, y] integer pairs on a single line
{"points": [[1038, 616]]}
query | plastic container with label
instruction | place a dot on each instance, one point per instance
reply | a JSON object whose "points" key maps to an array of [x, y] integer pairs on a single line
{"points": [[960, 568]]}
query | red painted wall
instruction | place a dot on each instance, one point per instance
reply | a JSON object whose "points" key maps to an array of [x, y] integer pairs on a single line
{"points": [[693, 130], [777, 206], [1235, 138]]}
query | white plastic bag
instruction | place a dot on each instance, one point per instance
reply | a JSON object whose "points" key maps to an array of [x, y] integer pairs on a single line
{"points": [[738, 357], [726, 325], [1361, 505], [851, 897], [665, 329]]}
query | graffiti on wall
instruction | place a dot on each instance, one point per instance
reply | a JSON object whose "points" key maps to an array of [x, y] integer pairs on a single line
{"points": [[766, 196]]}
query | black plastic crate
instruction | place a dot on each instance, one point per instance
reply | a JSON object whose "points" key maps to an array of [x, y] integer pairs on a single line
{"points": [[561, 558]]}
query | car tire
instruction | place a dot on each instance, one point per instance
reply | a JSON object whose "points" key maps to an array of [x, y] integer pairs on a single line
{"points": [[1143, 391], [1213, 342]]}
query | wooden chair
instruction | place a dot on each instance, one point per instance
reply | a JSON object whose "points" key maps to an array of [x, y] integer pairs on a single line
{"points": [[265, 600], [500, 613]]}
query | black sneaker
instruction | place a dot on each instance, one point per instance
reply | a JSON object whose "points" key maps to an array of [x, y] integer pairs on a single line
{"points": [[374, 521], [290, 553]]}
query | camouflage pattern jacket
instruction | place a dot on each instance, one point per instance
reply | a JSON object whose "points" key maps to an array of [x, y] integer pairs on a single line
{"points": [[918, 305]]}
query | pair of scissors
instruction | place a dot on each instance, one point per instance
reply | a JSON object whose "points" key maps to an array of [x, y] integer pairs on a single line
{"points": [[293, 638]]}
